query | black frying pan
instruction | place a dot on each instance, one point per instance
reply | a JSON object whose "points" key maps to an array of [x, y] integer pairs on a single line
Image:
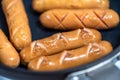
{"points": [[38, 32]]}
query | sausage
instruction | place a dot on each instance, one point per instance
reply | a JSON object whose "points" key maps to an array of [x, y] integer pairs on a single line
{"points": [[63, 19], [8, 55], [71, 58], [43, 5], [59, 42], [18, 24]]}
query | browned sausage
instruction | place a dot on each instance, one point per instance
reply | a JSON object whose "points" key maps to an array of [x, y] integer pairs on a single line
{"points": [[18, 24], [43, 5], [8, 55], [71, 58], [59, 42], [64, 19]]}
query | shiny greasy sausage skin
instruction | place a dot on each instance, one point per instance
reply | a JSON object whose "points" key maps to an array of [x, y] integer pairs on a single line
{"points": [[64, 19], [59, 42], [8, 55], [43, 5], [71, 58], [18, 24]]}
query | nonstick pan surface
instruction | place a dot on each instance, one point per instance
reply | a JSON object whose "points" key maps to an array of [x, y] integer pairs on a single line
{"points": [[38, 32]]}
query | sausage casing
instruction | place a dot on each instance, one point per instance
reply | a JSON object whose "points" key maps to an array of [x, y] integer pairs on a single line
{"points": [[18, 24], [63, 19], [43, 5], [71, 58], [59, 42], [8, 55]]}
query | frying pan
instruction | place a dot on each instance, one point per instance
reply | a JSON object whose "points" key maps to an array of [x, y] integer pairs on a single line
{"points": [[38, 32]]}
